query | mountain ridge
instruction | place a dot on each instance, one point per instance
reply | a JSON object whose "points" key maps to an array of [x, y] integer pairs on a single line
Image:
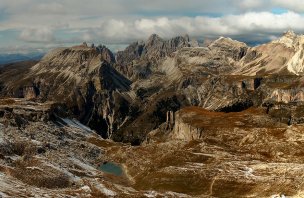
{"points": [[152, 77]]}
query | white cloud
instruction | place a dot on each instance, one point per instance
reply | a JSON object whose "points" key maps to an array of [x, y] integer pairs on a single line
{"points": [[255, 24], [40, 35], [123, 21]]}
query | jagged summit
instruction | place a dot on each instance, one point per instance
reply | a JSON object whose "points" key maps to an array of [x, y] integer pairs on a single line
{"points": [[290, 33], [227, 40], [289, 39], [154, 38], [138, 58], [149, 52]]}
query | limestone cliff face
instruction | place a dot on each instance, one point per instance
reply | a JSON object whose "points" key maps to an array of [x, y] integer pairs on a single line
{"points": [[287, 96], [194, 123], [29, 92], [183, 130]]}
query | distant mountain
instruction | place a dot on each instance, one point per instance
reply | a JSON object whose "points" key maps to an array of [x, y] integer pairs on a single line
{"points": [[12, 58]]}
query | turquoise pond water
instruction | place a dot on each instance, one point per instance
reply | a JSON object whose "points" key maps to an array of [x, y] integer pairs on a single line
{"points": [[111, 168]]}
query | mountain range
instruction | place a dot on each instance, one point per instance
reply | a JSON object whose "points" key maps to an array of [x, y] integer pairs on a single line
{"points": [[13, 58], [222, 120]]}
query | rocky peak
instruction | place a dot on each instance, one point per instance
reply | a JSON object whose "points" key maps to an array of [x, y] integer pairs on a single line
{"points": [[139, 57], [153, 39], [290, 34], [229, 48], [289, 39], [180, 41], [105, 53], [194, 43], [226, 41], [155, 48], [74, 61], [84, 44], [291, 46]]}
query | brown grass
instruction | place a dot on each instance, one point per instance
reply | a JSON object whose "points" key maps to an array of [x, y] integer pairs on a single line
{"points": [[7, 101], [42, 176], [20, 148], [250, 118], [100, 143]]}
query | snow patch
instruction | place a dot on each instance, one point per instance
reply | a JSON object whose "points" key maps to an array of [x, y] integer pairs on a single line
{"points": [[36, 142], [151, 194], [75, 123], [86, 189], [83, 165], [248, 172], [34, 168], [278, 196], [105, 190]]}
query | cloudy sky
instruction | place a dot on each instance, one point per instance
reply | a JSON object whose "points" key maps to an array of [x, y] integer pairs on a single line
{"points": [[38, 25]]}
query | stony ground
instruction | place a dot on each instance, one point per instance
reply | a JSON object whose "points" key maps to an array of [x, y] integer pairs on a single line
{"points": [[43, 156], [248, 154]]}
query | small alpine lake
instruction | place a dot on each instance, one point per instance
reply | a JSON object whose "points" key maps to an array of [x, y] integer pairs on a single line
{"points": [[111, 168]]}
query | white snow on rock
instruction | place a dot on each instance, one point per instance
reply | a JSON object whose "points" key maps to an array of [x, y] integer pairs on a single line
{"points": [[75, 123], [105, 191], [86, 189]]}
